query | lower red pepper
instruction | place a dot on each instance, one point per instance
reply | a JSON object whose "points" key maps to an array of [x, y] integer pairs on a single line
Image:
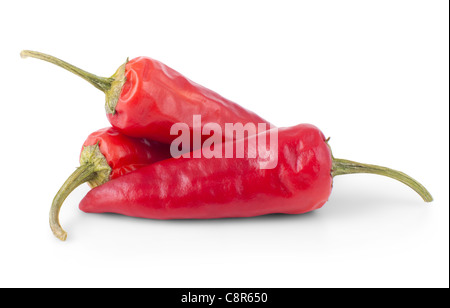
{"points": [[235, 187]]}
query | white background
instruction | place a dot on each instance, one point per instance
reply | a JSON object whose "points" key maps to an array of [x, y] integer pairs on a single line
{"points": [[372, 75]]}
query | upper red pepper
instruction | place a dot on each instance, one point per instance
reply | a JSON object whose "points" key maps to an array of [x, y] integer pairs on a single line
{"points": [[145, 97], [154, 97]]}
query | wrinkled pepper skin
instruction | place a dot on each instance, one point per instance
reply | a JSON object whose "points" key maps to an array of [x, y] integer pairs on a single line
{"points": [[154, 97], [125, 154], [201, 188]]}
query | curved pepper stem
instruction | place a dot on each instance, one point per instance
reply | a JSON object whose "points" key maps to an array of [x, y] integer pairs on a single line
{"points": [[343, 166], [93, 169], [111, 86], [82, 174], [101, 83]]}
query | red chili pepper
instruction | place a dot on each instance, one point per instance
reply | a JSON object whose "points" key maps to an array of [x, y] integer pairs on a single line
{"points": [[106, 155], [236, 187], [144, 98]]}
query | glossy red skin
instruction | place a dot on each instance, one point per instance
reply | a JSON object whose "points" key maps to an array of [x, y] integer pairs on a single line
{"points": [[154, 97], [125, 154], [203, 188]]}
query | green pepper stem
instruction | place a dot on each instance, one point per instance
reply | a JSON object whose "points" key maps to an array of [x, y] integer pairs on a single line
{"points": [[111, 86], [82, 174], [343, 166], [101, 83]]}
